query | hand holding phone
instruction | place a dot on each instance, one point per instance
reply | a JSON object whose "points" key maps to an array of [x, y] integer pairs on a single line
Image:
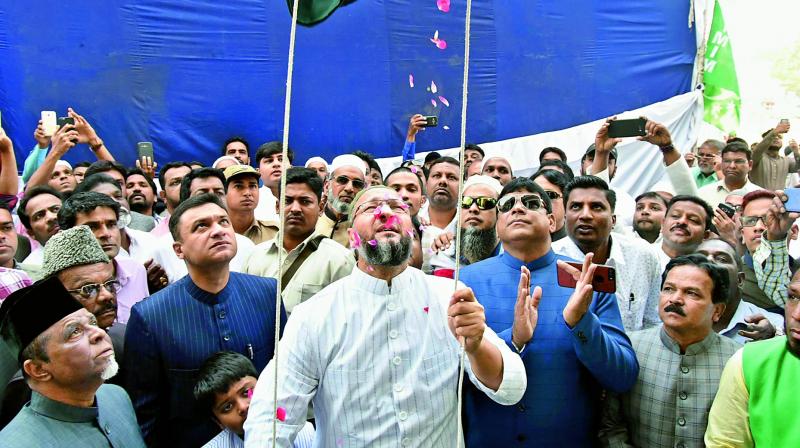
{"points": [[604, 279], [581, 299], [49, 123], [627, 128], [431, 121], [727, 209]]}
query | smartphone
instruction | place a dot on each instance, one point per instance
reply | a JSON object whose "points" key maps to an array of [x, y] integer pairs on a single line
{"points": [[792, 200], [604, 278], [145, 149], [49, 122], [727, 209], [627, 128], [64, 121], [431, 121]]}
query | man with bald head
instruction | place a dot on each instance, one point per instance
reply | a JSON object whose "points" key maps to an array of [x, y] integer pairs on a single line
{"points": [[351, 360], [499, 168]]}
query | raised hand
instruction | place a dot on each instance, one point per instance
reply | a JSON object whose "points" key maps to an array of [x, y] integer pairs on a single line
{"points": [[783, 127], [442, 242], [148, 166], [415, 124], [602, 141], [778, 220], [86, 133], [42, 139], [526, 310], [466, 319], [64, 139], [580, 300], [657, 134]]}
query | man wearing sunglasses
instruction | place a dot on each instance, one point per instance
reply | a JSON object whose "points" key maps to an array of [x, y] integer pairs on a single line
{"points": [[478, 234], [347, 177], [571, 340]]}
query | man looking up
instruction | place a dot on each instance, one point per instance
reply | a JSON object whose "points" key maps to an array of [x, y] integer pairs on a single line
{"points": [[241, 198], [499, 168], [442, 188], [570, 340], [736, 165], [553, 183], [231, 311], [337, 345], [770, 168], [651, 208], [319, 165], [38, 213], [271, 166], [590, 218], [686, 224], [347, 178], [65, 358], [681, 363], [170, 178], [409, 186], [310, 260], [708, 159], [238, 148], [62, 179]]}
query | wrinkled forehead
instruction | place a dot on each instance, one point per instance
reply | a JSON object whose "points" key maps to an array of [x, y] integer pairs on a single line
{"points": [[379, 192]]}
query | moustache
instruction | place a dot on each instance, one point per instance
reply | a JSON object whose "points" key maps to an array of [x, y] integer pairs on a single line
{"points": [[673, 308]]}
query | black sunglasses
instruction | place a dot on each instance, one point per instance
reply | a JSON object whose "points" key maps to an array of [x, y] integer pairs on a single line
{"points": [[358, 184], [553, 195], [530, 201], [483, 202]]}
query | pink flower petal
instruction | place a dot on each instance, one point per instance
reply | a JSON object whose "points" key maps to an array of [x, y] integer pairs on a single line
{"points": [[280, 414], [434, 89], [370, 268], [444, 101], [410, 233], [426, 309], [443, 5], [250, 393], [434, 40], [403, 205], [441, 44], [413, 169], [436, 35], [411, 81], [433, 101], [446, 128], [372, 243], [356, 240], [378, 211], [392, 221]]}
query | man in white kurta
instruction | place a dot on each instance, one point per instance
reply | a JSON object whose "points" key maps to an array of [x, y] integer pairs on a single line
{"points": [[374, 353]]}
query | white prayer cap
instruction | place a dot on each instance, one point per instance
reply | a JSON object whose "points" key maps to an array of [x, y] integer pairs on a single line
{"points": [[224, 158], [65, 163], [348, 160], [480, 179], [316, 160]]}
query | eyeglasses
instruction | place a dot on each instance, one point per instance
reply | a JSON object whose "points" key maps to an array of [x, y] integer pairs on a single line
{"points": [[90, 291], [705, 156], [553, 195], [483, 202], [750, 221], [397, 206], [358, 184], [530, 201]]}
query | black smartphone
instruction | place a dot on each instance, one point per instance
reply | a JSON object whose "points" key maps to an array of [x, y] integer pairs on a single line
{"points": [[792, 203], [627, 128], [145, 149], [727, 209], [64, 121], [431, 121]]}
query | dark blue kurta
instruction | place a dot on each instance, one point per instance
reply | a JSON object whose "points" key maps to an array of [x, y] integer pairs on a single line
{"points": [[566, 368], [169, 336]]}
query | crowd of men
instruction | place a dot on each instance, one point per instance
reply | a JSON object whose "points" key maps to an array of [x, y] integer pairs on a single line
{"points": [[138, 304]]}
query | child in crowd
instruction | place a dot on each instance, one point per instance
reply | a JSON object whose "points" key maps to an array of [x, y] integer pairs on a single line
{"points": [[224, 386]]}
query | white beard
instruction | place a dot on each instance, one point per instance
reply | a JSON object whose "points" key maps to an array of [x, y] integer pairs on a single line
{"points": [[111, 369]]}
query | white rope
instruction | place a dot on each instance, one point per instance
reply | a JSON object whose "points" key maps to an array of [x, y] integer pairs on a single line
{"points": [[287, 106], [464, 91]]}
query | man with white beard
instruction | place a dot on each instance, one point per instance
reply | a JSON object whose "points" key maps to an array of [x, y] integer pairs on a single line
{"points": [[65, 357], [347, 177], [478, 234]]}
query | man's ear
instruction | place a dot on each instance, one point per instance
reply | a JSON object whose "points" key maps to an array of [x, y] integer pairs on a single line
{"points": [[36, 370], [163, 195], [177, 246], [613, 220], [719, 308], [740, 279], [706, 235]]}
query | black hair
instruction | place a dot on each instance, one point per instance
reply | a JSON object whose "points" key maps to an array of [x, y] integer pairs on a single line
{"points": [[31, 193], [196, 162], [690, 198], [556, 178], [84, 202], [163, 171], [737, 146], [523, 183], [270, 148], [236, 139], [651, 195], [134, 171], [445, 159], [369, 159], [404, 169], [90, 182], [561, 154], [433, 155], [719, 278], [83, 164], [217, 374], [591, 182], [187, 204], [103, 166], [561, 165], [301, 175], [474, 147], [200, 173]]}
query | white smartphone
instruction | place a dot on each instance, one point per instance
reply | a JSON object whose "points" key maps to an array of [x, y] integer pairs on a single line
{"points": [[49, 122]]}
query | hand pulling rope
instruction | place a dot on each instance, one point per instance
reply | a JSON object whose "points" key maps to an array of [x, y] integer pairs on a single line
{"points": [[287, 106]]}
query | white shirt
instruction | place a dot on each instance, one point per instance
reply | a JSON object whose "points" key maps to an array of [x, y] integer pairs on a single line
{"points": [[142, 245], [267, 209], [176, 268], [36, 257], [379, 363], [746, 309], [229, 439], [638, 278], [715, 193], [430, 233], [663, 258]]}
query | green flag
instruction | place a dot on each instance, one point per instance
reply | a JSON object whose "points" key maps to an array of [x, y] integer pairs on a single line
{"points": [[722, 100]]}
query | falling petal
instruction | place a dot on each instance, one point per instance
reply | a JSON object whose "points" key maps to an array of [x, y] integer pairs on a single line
{"points": [[372, 243], [378, 211], [410, 233], [433, 101], [370, 268], [403, 205], [426, 309], [446, 128], [443, 5], [441, 44], [434, 40], [392, 221], [250, 393], [280, 414], [411, 81], [434, 89], [356, 240], [413, 169], [436, 35], [444, 101]]}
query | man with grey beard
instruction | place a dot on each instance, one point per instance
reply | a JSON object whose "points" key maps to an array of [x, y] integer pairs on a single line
{"points": [[478, 234], [347, 177]]}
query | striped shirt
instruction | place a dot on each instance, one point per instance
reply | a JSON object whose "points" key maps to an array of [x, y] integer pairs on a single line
{"points": [[12, 280], [771, 265], [229, 439], [379, 363]]}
